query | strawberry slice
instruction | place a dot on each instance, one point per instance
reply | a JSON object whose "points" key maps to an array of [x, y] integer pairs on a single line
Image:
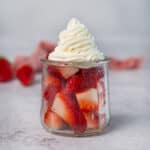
{"points": [[88, 100], [53, 121], [54, 71], [67, 72], [77, 84], [93, 75], [53, 80], [85, 79], [50, 93], [25, 74], [52, 85], [66, 106], [92, 119], [88, 105], [6, 70]]}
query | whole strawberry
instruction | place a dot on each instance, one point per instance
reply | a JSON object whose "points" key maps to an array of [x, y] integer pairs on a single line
{"points": [[6, 70], [25, 74]]}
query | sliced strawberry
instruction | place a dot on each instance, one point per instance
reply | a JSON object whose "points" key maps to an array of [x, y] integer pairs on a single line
{"points": [[25, 74], [88, 100], [93, 75], [67, 72], [90, 94], [47, 46], [88, 105], [53, 80], [92, 119], [6, 70], [85, 79], [54, 71], [42, 50], [53, 121], [52, 84], [66, 106], [77, 84], [50, 93]]}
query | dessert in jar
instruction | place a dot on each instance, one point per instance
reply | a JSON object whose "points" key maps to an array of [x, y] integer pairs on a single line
{"points": [[75, 97]]}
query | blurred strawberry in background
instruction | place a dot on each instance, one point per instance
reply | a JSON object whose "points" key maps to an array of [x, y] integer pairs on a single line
{"points": [[6, 70]]}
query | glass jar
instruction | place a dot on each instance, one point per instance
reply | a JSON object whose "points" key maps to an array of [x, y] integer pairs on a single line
{"points": [[75, 97]]}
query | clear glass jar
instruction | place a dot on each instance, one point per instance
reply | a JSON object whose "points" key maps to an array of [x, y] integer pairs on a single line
{"points": [[75, 97]]}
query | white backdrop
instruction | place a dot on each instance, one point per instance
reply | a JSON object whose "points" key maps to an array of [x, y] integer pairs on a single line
{"points": [[117, 25]]}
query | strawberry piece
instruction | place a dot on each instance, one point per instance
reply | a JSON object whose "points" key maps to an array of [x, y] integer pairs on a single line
{"points": [[77, 84], [47, 46], [25, 74], [53, 85], [87, 105], [42, 50], [93, 75], [54, 80], [54, 71], [20, 60], [50, 93], [66, 106], [90, 94], [6, 70], [88, 100], [53, 121], [124, 64], [67, 72], [85, 79], [92, 119]]}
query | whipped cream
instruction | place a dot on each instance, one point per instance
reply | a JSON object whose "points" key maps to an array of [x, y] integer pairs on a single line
{"points": [[76, 44]]}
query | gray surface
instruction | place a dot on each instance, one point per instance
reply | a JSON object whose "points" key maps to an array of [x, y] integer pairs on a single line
{"points": [[20, 126]]}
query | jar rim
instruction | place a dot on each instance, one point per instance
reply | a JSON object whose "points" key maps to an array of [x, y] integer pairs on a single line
{"points": [[76, 64]]}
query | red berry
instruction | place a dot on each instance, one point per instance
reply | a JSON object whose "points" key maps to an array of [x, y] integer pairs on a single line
{"points": [[77, 83], [66, 106], [52, 84], [85, 79], [50, 93], [6, 70], [25, 74], [54, 121]]}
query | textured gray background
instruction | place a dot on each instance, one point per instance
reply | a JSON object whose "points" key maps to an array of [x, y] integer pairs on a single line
{"points": [[117, 25]]}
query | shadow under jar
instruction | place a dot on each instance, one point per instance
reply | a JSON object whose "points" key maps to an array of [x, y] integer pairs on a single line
{"points": [[75, 97]]}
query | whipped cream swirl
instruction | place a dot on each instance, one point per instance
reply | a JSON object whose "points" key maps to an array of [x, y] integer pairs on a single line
{"points": [[76, 44]]}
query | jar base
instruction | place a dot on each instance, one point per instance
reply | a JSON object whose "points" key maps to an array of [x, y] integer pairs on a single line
{"points": [[89, 132]]}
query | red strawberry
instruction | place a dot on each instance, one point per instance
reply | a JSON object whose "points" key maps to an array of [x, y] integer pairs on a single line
{"points": [[53, 85], [53, 121], [88, 100], [87, 105], [93, 75], [54, 71], [85, 79], [25, 74], [47, 46], [67, 72], [42, 50], [6, 70], [66, 106], [77, 83], [50, 93], [92, 119], [53, 80]]}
